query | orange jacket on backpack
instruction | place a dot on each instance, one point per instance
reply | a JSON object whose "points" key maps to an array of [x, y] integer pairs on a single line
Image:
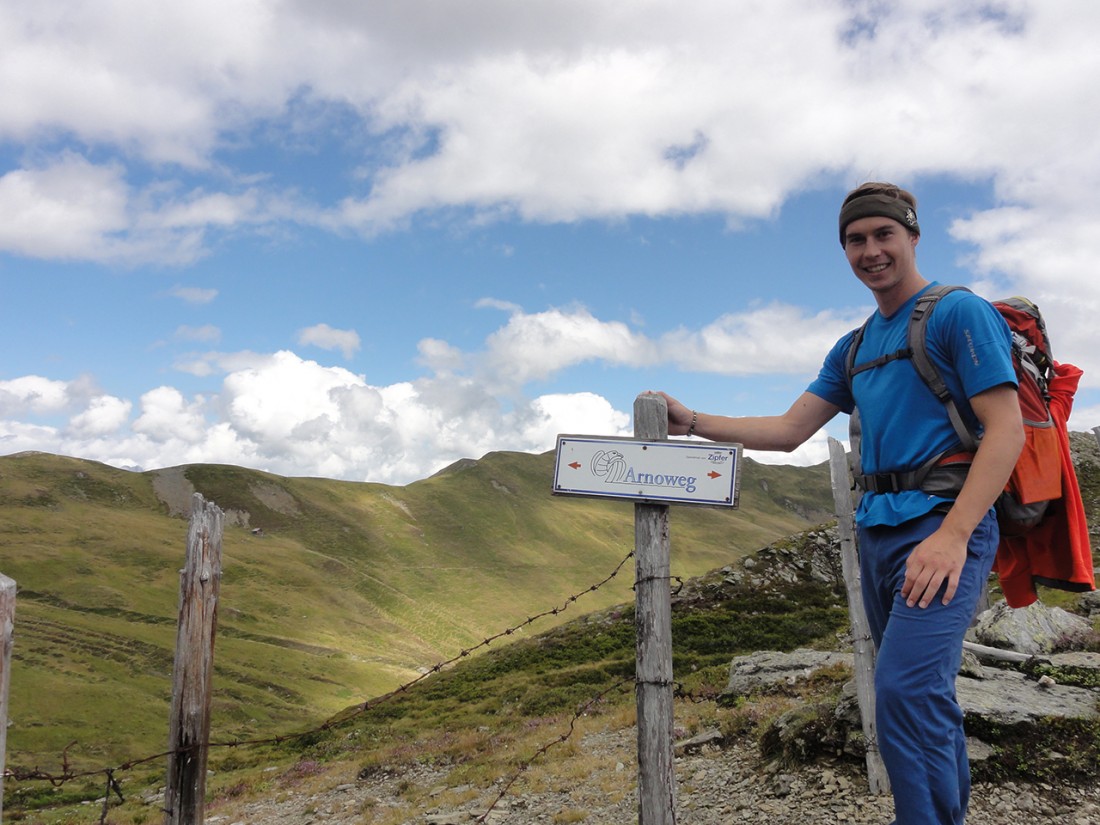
{"points": [[1056, 551]]}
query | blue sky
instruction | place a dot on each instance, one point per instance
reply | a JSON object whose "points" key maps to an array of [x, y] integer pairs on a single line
{"points": [[365, 240]]}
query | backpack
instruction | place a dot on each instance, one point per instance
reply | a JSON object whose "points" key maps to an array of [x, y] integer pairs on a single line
{"points": [[1036, 479]]}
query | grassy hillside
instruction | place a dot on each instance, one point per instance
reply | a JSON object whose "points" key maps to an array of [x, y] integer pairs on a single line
{"points": [[346, 591]]}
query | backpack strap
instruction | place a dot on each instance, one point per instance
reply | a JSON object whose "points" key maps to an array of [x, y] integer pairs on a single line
{"points": [[917, 352], [926, 369]]}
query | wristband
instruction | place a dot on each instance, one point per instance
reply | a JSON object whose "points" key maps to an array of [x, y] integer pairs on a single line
{"points": [[694, 421]]}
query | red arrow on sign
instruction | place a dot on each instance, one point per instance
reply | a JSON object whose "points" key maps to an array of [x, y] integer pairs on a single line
{"points": [[713, 474], [576, 465]]}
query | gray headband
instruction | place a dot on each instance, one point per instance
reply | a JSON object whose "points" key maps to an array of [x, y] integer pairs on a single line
{"points": [[876, 205]]}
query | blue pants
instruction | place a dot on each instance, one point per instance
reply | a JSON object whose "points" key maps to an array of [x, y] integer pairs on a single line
{"points": [[920, 723]]}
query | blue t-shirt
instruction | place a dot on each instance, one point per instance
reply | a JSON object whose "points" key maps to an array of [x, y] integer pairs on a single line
{"points": [[903, 423]]}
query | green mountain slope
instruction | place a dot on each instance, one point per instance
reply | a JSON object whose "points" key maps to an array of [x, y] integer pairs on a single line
{"points": [[332, 592]]}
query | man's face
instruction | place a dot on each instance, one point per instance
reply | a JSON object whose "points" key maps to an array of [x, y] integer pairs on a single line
{"points": [[881, 252]]}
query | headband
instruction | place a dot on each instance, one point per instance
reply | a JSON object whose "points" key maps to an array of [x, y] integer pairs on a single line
{"points": [[878, 206]]}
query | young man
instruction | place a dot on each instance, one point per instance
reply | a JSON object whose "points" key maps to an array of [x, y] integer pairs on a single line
{"points": [[924, 560]]}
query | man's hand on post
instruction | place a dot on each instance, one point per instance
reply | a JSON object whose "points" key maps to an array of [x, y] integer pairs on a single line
{"points": [[679, 416]]}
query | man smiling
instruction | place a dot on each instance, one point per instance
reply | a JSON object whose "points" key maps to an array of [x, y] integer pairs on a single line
{"points": [[924, 559]]}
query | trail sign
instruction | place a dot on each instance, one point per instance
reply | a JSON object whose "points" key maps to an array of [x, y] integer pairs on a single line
{"points": [[661, 472]]}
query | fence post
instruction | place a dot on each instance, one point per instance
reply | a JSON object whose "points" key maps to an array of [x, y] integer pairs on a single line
{"points": [[7, 628], [861, 633], [192, 674], [653, 644]]}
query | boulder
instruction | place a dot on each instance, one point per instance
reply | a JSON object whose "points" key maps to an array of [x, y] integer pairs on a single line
{"points": [[1006, 697], [1035, 629], [771, 669]]}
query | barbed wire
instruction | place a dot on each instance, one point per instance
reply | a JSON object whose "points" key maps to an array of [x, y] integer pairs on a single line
{"points": [[68, 774], [523, 768]]}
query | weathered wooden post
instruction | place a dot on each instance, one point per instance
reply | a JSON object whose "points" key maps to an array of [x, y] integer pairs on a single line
{"points": [[192, 677], [7, 629], [654, 473], [1096, 432], [861, 633], [653, 644]]}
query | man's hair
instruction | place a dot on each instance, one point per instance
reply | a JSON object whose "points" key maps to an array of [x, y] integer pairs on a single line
{"points": [[883, 199], [879, 188]]}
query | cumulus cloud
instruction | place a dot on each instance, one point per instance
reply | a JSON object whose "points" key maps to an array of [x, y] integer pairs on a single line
{"points": [[104, 415], [772, 339], [292, 415], [166, 416], [34, 394], [534, 346], [295, 416]]}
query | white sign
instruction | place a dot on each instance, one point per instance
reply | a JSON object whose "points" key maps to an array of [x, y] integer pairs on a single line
{"points": [[663, 472]]}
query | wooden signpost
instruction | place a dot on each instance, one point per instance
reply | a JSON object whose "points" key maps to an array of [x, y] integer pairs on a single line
{"points": [[654, 473]]}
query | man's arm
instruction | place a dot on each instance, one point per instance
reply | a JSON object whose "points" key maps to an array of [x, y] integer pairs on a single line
{"points": [[783, 432], [941, 556]]}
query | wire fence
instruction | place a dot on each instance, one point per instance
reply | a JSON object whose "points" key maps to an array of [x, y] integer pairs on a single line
{"points": [[113, 789]]}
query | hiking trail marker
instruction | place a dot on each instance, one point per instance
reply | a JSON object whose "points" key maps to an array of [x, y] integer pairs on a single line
{"points": [[659, 472], [653, 472]]}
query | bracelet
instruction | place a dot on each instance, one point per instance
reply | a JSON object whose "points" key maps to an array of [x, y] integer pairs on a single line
{"points": [[694, 421]]}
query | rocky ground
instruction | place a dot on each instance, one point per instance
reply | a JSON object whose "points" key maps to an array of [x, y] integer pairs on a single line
{"points": [[724, 786]]}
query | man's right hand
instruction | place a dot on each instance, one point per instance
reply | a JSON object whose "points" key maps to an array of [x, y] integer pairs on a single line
{"points": [[679, 416]]}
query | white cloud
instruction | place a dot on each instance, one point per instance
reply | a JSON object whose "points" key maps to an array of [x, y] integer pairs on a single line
{"points": [[207, 333], [166, 416], [814, 451], [69, 209], [289, 415], [73, 209], [33, 394], [325, 337], [1085, 419], [578, 413], [194, 294], [103, 416], [440, 357], [535, 346], [767, 340], [496, 303], [286, 414]]}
